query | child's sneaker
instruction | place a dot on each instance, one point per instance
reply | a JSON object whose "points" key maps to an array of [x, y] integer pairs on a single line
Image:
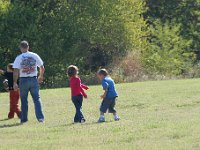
{"points": [[101, 119], [117, 118]]}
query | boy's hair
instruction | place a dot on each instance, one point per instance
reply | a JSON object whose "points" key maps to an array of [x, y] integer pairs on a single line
{"points": [[24, 44], [103, 72], [10, 66], [72, 71]]}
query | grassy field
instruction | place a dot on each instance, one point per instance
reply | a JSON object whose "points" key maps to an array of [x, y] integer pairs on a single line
{"points": [[162, 115]]}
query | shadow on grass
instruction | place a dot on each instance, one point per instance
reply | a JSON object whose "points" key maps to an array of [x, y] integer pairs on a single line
{"points": [[10, 125], [4, 119], [82, 124], [139, 106]]}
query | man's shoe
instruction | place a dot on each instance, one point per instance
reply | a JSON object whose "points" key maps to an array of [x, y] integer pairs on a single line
{"points": [[41, 120], [82, 121]]}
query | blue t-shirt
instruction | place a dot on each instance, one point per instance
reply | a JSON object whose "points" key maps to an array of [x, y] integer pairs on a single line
{"points": [[109, 85]]}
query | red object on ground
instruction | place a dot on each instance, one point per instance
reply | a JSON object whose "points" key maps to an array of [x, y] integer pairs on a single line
{"points": [[77, 88], [14, 104]]}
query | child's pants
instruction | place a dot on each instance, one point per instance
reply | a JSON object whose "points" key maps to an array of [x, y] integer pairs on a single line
{"points": [[78, 100], [108, 104], [14, 104]]}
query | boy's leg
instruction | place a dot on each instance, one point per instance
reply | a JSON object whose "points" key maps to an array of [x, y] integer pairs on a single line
{"points": [[24, 89], [103, 108], [34, 90], [16, 104], [11, 112], [80, 112], [74, 100], [78, 104], [112, 109]]}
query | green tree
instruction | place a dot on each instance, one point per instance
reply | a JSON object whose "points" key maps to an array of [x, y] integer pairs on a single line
{"points": [[84, 32], [168, 52]]}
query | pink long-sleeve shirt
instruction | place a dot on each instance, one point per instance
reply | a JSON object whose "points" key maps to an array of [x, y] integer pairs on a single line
{"points": [[77, 88]]}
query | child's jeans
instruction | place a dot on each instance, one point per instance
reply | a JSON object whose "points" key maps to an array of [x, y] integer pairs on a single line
{"points": [[78, 100], [14, 104]]}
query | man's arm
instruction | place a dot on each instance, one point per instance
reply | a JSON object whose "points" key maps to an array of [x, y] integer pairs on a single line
{"points": [[41, 74], [15, 79]]}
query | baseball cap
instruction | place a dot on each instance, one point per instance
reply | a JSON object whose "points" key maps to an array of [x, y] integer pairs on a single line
{"points": [[24, 44]]}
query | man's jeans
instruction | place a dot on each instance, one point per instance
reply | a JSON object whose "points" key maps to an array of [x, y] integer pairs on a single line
{"points": [[30, 84]]}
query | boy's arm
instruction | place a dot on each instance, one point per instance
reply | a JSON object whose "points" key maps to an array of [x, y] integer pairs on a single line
{"points": [[83, 92], [104, 94], [84, 86], [105, 88], [81, 88]]}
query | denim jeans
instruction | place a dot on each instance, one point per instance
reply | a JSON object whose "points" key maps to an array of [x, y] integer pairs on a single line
{"points": [[78, 100], [26, 85]]}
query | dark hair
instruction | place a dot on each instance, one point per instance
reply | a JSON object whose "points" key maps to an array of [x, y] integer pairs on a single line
{"points": [[103, 72], [24, 44], [72, 70]]}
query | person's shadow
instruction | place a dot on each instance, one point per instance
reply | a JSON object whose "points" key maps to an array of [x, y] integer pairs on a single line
{"points": [[10, 125], [4, 119]]}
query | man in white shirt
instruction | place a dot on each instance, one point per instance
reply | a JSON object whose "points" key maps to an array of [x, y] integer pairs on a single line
{"points": [[25, 68]]}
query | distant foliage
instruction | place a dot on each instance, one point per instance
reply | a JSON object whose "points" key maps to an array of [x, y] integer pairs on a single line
{"points": [[86, 33], [174, 36], [168, 53], [163, 35]]}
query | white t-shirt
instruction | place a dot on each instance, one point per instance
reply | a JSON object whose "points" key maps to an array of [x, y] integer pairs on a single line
{"points": [[27, 63]]}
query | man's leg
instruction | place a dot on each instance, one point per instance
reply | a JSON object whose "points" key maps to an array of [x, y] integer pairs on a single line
{"points": [[11, 112], [24, 89], [34, 90]]}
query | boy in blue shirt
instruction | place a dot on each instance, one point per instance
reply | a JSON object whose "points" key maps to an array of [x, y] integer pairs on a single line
{"points": [[109, 96]]}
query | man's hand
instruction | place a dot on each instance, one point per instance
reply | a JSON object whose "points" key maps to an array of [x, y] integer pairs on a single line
{"points": [[103, 96], [15, 86], [40, 79]]}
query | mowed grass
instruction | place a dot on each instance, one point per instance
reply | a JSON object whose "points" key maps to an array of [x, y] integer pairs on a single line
{"points": [[155, 115]]}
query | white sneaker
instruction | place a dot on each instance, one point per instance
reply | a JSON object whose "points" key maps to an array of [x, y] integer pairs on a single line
{"points": [[117, 118], [41, 120], [101, 119]]}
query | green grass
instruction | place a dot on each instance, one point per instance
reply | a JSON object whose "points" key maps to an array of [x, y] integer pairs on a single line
{"points": [[162, 115]]}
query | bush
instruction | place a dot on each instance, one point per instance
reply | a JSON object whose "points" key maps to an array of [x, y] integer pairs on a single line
{"points": [[127, 69]]}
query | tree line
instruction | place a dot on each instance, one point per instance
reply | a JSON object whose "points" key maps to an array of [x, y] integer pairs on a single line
{"points": [[132, 38]]}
